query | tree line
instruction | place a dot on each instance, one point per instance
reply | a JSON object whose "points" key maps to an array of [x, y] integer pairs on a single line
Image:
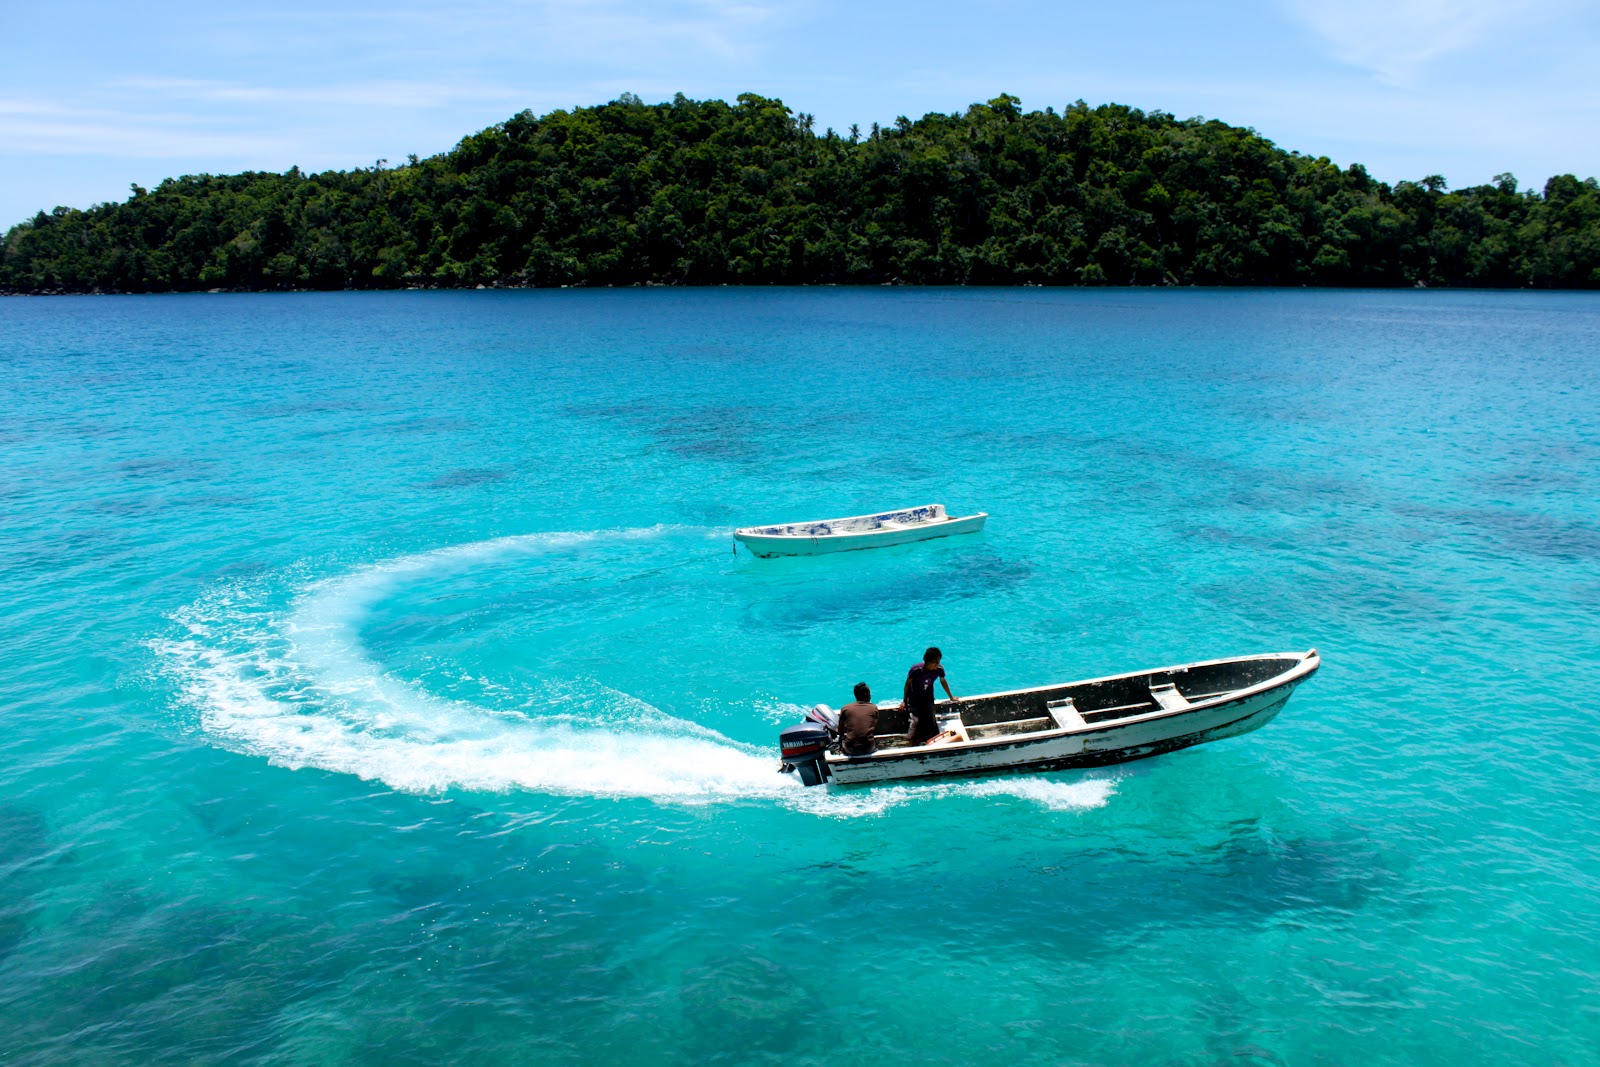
{"points": [[700, 192]]}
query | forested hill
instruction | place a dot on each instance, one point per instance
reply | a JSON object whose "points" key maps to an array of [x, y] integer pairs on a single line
{"points": [[705, 192]]}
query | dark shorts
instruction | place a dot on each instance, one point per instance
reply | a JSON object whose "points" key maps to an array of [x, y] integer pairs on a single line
{"points": [[923, 724]]}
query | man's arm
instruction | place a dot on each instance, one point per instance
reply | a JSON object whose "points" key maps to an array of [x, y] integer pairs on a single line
{"points": [[946, 683], [905, 694]]}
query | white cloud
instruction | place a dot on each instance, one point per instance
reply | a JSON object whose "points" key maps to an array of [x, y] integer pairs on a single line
{"points": [[619, 33], [30, 127], [728, 31], [1397, 38], [402, 94]]}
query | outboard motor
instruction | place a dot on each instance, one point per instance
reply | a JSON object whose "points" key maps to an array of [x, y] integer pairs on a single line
{"points": [[805, 749], [827, 716]]}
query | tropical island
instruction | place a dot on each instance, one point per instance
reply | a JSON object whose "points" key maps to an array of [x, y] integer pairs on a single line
{"points": [[704, 192]]}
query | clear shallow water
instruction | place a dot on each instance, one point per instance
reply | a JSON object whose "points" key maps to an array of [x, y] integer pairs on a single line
{"points": [[379, 685]]}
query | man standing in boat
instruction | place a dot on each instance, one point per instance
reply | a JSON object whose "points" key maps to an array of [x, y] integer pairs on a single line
{"points": [[919, 696]]}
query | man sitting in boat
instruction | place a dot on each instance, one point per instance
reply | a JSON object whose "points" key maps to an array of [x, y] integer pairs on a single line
{"points": [[858, 724], [919, 696]]}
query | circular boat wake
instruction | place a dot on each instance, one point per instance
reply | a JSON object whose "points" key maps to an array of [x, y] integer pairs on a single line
{"points": [[297, 687]]}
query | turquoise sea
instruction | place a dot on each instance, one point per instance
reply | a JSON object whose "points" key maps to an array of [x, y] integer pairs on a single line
{"points": [[379, 684]]}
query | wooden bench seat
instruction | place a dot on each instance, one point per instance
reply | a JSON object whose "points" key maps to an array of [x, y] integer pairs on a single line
{"points": [[1166, 694], [1065, 713]]}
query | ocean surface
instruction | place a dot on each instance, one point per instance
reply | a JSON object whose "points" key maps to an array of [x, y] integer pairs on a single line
{"points": [[378, 683]]}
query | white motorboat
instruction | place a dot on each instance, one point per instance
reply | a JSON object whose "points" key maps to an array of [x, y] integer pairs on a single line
{"points": [[856, 531], [1079, 724]]}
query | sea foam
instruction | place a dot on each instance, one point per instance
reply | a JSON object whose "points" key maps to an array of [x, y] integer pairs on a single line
{"points": [[298, 687]]}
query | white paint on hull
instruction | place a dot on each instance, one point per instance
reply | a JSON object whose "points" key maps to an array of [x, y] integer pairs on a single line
{"points": [[856, 532], [1089, 745]]}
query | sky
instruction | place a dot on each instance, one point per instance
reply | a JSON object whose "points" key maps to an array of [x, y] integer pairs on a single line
{"points": [[96, 95]]}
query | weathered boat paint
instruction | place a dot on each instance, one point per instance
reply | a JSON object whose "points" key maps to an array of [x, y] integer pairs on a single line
{"points": [[1136, 736], [878, 530]]}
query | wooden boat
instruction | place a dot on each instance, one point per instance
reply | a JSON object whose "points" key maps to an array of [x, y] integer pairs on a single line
{"points": [[857, 531], [1079, 724]]}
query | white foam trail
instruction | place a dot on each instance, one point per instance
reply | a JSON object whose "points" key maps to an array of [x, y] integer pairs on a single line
{"points": [[1080, 795], [302, 691]]}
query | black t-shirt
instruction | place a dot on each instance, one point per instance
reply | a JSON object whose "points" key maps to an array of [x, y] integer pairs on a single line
{"points": [[921, 678]]}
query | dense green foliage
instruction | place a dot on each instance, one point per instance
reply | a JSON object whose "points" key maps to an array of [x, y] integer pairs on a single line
{"points": [[691, 192]]}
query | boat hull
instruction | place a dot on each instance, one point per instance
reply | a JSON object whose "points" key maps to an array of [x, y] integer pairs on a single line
{"points": [[767, 546], [1118, 742]]}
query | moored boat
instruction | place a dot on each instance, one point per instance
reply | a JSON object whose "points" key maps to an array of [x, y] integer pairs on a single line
{"points": [[1058, 727], [857, 531]]}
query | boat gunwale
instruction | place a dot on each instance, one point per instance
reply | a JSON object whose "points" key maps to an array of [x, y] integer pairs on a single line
{"points": [[751, 532], [1028, 766], [1295, 673]]}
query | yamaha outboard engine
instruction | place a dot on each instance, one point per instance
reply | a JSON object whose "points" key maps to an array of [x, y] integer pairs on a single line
{"points": [[805, 749], [827, 716]]}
